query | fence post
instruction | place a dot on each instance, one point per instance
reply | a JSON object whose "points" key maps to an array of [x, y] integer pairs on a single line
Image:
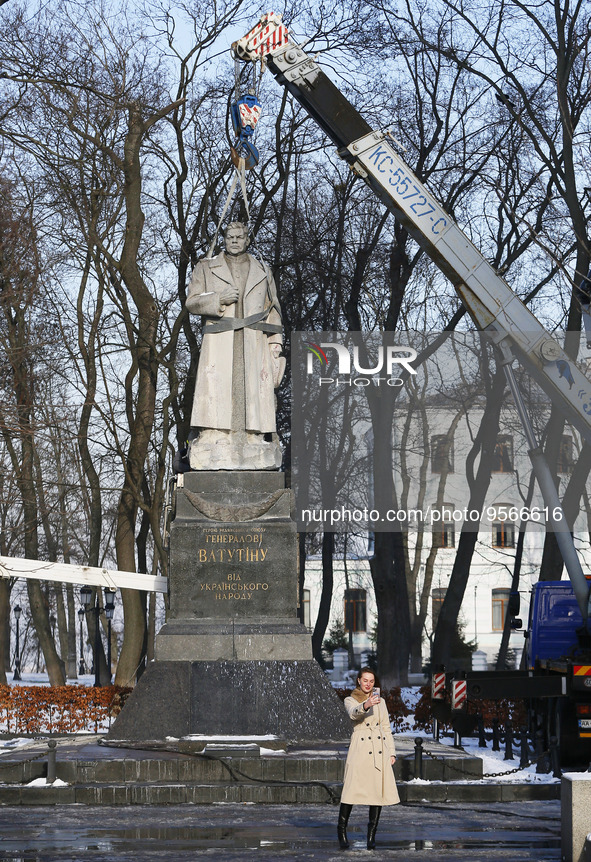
{"points": [[542, 765], [459, 692], [555, 757], [509, 741], [51, 760], [496, 744], [418, 757], [524, 759], [481, 733]]}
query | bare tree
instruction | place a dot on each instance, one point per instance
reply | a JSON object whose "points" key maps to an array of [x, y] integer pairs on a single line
{"points": [[541, 81], [22, 338]]}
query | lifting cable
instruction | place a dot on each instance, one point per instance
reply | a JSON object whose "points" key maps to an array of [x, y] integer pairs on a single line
{"points": [[245, 111]]}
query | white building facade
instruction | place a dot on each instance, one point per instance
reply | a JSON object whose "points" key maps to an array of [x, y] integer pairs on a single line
{"points": [[435, 481]]}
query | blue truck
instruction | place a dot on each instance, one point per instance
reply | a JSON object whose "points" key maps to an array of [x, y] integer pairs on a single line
{"points": [[555, 679]]}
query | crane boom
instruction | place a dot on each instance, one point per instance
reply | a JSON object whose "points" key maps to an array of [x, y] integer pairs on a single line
{"points": [[489, 300]]}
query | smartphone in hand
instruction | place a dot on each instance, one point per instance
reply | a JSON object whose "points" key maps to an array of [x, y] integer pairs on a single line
{"points": [[376, 691]]}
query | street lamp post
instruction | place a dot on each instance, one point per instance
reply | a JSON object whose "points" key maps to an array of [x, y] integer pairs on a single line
{"points": [[86, 598], [109, 613], [82, 668], [17, 658]]}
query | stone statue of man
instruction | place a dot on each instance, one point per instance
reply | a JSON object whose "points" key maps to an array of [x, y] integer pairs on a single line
{"points": [[240, 364]]}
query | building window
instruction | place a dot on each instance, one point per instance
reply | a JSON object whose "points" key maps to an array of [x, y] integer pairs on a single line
{"points": [[503, 534], [565, 455], [444, 534], [437, 597], [503, 530], [306, 608], [500, 603], [503, 455], [355, 618], [442, 456]]}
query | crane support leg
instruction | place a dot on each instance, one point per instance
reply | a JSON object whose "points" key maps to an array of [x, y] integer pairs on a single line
{"points": [[556, 517]]}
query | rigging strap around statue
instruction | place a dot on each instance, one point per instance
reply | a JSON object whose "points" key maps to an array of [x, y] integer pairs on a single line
{"points": [[254, 321], [239, 176]]}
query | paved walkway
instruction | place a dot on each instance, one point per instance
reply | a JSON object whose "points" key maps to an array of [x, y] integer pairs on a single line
{"points": [[454, 833]]}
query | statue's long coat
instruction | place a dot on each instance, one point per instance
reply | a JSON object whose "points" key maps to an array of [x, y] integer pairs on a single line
{"points": [[212, 404]]}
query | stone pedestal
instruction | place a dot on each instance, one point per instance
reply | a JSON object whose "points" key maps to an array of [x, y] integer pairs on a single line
{"points": [[575, 820], [233, 658], [234, 450]]}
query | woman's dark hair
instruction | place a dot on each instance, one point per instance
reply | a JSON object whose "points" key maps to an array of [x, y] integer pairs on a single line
{"points": [[372, 672]]}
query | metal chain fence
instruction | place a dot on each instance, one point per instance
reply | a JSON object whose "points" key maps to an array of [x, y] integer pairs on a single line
{"points": [[486, 774]]}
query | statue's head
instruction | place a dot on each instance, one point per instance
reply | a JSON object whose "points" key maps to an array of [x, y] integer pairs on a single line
{"points": [[236, 239]]}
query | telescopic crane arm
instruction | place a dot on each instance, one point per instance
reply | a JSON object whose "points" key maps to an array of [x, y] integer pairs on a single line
{"points": [[491, 303]]}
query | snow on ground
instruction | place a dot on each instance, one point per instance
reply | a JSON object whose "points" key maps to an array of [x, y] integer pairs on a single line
{"points": [[42, 679], [236, 740], [14, 744], [42, 782], [494, 762]]}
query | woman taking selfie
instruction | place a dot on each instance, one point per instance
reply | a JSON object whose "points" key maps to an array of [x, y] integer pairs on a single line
{"points": [[369, 777]]}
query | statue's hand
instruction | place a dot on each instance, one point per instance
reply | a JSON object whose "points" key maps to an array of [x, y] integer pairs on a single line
{"points": [[228, 295]]}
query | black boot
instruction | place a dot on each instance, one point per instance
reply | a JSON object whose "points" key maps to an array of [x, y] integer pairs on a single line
{"points": [[374, 816], [344, 812]]}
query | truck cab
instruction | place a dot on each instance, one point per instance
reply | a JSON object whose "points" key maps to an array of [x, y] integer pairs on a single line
{"points": [[554, 617], [557, 646]]}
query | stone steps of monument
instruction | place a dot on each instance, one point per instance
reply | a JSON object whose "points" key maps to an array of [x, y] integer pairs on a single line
{"points": [[87, 760], [242, 793], [95, 774], [164, 793], [212, 770], [184, 770]]}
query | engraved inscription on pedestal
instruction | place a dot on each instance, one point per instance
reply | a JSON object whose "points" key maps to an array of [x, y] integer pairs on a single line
{"points": [[241, 552], [234, 571]]}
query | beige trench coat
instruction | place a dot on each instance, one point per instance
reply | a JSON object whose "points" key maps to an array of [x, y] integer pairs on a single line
{"points": [[212, 404], [369, 776]]}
